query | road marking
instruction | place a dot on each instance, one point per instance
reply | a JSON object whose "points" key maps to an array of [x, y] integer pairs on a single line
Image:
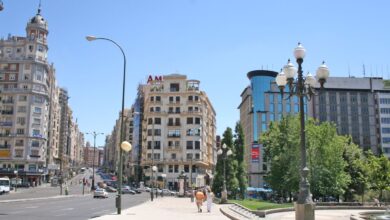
{"points": [[31, 207], [66, 209]]}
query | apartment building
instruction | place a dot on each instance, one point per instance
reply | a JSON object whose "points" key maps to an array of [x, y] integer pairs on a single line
{"points": [[178, 130], [34, 113], [25, 87]]}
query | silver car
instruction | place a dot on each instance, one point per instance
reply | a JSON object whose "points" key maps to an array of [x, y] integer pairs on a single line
{"points": [[100, 193]]}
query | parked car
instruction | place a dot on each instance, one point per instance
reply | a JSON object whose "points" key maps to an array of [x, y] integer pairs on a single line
{"points": [[136, 190], [110, 189], [168, 192], [127, 190], [147, 189], [100, 193]]}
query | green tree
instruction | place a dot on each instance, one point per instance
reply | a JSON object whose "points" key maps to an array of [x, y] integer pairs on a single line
{"points": [[379, 172], [356, 169], [239, 144], [281, 150], [326, 162], [231, 167], [324, 151]]}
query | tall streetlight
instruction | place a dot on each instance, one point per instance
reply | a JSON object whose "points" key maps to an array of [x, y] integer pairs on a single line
{"points": [[303, 88], [224, 152], [94, 134], [119, 201]]}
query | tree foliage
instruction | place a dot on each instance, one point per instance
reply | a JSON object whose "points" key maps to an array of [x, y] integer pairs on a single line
{"points": [[231, 167], [239, 145], [325, 160]]}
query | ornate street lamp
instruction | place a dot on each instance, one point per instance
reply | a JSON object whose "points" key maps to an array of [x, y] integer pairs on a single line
{"points": [[224, 152], [120, 165], [154, 170], [302, 88]]}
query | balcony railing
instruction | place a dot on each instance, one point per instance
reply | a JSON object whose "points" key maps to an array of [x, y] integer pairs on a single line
{"points": [[5, 146], [7, 112], [9, 101], [6, 123], [174, 135]]}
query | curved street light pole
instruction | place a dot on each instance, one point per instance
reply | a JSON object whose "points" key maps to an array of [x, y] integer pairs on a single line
{"points": [[120, 166], [94, 134]]}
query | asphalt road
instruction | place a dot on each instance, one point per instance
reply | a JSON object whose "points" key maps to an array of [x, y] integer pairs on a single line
{"points": [[45, 202], [75, 208]]}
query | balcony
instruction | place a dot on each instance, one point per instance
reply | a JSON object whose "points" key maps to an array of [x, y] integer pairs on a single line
{"points": [[5, 146], [7, 112], [6, 123], [173, 135], [9, 101]]}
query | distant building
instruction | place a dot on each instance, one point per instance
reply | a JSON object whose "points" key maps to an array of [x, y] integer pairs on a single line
{"points": [[91, 156]]}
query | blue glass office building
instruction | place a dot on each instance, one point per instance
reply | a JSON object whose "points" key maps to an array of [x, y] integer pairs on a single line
{"points": [[261, 103]]}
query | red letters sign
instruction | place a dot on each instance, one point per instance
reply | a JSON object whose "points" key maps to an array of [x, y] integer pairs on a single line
{"points": [[157, 79]]}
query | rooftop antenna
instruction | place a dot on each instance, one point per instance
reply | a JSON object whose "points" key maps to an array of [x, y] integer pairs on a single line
{"points": [[349, 71], [364, 70]]}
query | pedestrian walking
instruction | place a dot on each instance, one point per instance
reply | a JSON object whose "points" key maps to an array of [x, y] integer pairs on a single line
{"points": [[209, 198], [199, 196]]}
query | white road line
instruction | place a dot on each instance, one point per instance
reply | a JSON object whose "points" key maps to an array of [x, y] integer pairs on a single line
{"points": [[66, 209], [31, 207]]}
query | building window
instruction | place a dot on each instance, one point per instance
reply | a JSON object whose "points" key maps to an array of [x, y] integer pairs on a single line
{"points": [[157, 121], [158, 98], [173, 156], [38, 110], [22, 98], [197, 145], [189, 145], [174, 87], [386, 140], [386, 130], [170, 169], [18, 153], [152, 98], [176, 168], [197, 121], [197, 156], [189, 156], [150, 121], [186, 168], [170, 99], [156, 156], [21, 120], [149, 156], [22, 109], [35, 143], [190, 98], [36, 132], [177, 99], [20, 131], [19, 143], [190, 121]]}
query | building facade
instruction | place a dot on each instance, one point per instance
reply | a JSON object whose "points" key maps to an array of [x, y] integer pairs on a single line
{"points": [[32, 109], [260, 104], [91, 156], [178, 130], [359, 107]]}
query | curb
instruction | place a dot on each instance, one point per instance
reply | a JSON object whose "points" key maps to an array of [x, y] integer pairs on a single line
{"points": [[225, 213]]}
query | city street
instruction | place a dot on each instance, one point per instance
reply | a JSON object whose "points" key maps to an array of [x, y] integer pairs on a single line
{"points": [[75, 208], [45, 202]]}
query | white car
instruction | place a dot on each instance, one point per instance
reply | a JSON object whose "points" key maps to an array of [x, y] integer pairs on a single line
{"points": [[100, 193]]}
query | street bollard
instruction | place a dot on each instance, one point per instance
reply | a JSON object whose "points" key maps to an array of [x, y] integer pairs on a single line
{"points": [[117, 201]]}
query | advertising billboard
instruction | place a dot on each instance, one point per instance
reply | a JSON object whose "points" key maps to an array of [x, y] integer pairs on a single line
{"points": [[255, 153]]}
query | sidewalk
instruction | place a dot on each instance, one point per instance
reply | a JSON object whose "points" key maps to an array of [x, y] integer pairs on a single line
{"points": [[167, 208]]}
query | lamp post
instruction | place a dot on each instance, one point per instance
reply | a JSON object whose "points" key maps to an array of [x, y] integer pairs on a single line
{"points": [[94, 134], [16, 179], [154, 169], [119, 205], [224, 152], [303, 88]]}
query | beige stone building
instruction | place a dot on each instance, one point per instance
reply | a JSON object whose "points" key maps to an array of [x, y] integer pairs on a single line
{"points": [[178, 130]]}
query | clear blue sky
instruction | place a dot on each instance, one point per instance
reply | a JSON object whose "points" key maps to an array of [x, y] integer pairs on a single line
{"points": [[214, 41]]}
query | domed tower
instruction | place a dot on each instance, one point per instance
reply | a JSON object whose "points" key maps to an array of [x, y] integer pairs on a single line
{"points": [[37, 31]]}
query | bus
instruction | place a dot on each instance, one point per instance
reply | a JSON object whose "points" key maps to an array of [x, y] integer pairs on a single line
{"points": [[4, 185]]}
